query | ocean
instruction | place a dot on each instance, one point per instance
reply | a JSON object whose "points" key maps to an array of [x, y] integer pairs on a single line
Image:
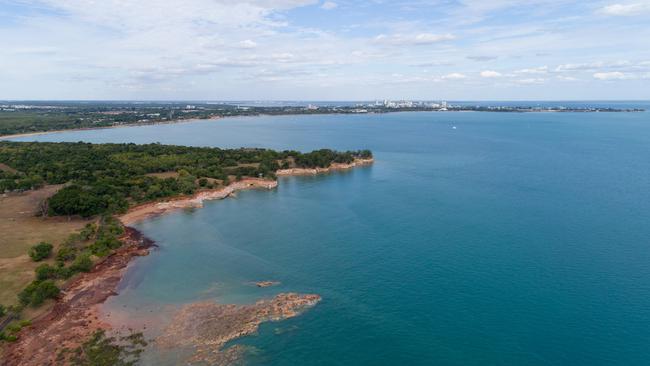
{"points": [[474, 239]]}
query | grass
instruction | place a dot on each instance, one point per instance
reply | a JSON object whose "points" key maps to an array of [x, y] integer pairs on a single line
{"points": [[163, 175], [21, 228]]}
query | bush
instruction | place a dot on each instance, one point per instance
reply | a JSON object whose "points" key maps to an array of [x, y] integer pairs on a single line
{"points": [[45, 272], [66, 253], [37, 292], [8, 337], [104, 246], [83, 263], [64, 272], [40, 251], [3, 311]]}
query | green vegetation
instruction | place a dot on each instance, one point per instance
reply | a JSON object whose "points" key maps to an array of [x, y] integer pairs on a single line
{"points": [[77, 250], [323, 158], [37, 292], [11, 331], [101, 350], [40, 251], [108, 178]]}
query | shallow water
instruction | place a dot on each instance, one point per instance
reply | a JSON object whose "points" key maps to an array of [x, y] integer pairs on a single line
{"points": [[514, 239]]}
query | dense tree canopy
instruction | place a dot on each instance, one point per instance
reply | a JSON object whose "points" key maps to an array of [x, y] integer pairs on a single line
{"points": [[106, 178]]}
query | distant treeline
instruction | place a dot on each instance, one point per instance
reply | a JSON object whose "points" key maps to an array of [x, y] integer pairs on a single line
{"points": [[108, 178]]}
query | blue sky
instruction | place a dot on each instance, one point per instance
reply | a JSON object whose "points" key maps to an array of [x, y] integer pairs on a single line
{"points": [[325, 50]]}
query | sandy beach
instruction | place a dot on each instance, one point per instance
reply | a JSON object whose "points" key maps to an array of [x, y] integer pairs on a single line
{"points": [[147, 210]]}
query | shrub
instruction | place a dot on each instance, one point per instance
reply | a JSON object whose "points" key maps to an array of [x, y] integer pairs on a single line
{"points": [[66, 253], [83, 263], [104, 246], [40, 251], [45, 272], [64, 272], [37, 292]]}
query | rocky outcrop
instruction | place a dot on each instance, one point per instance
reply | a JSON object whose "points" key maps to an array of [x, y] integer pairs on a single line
{"points": [[208, 326]]}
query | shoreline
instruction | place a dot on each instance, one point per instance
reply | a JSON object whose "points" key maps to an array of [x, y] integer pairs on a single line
{"points": [[152, 209], [76, 314], [172, 122], [188, 120]]}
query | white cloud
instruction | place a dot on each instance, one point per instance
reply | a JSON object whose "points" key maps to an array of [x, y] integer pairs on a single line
{"points": [[416, 39], [567, 78], [247, 44], [534, 70], [529, 81], [329, 5], [629, 9], [614, 75], [490, 74], [480, 58], [454, 76], [578, 67]]}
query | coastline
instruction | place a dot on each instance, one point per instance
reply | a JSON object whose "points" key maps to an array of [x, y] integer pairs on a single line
{"points": [[76, 314], [172, 122], [147, 210], [188, 120]]}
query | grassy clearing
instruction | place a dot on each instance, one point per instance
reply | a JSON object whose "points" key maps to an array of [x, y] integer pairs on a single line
{"points": [[21, 228], [163, 175]]}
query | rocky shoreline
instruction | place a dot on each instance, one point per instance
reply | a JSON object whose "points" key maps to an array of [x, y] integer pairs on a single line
{"points": [[75, 316], [148, 210], [333, 167]]}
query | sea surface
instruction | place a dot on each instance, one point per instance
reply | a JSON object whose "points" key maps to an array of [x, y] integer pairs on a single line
{"points": [[475, 239]]}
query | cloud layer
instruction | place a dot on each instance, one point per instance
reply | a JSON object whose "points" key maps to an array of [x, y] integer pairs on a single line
{"points": [[314, 49]]}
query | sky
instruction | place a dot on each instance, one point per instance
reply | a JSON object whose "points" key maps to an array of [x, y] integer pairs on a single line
{"points": [[325, 50]]}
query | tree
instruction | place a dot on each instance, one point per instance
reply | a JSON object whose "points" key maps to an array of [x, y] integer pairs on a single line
{"points": [[73, 200], [40, 251]]}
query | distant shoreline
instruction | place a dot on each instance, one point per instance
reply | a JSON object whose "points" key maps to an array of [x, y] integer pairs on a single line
{"points": [[350, 112]]}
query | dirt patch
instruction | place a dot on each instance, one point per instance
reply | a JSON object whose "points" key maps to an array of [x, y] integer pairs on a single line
{"points": [[163, 175], [7, 168]]}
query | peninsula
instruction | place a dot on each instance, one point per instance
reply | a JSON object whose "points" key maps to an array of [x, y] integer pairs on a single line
{"points": [[82, 198]]}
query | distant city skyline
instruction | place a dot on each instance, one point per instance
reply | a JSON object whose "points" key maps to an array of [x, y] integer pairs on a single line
{"points": [[325, 50]]}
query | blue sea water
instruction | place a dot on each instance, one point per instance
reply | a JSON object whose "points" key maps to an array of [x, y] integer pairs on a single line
{"points": [[513, 239]]}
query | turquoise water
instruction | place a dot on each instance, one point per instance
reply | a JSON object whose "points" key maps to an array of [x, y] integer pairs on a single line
{"points": [[514, 239]]}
